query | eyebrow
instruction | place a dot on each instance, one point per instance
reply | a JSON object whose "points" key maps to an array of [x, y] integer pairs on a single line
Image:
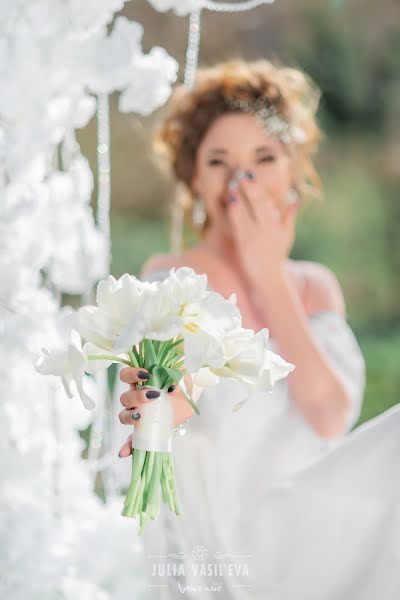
{"points": [[257, 150]]}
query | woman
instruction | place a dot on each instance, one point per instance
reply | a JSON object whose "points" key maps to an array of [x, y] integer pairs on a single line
{"points": [[241, 142]]}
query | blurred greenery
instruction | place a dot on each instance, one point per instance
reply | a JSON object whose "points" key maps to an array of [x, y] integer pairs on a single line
{"points": [[383, 373]]}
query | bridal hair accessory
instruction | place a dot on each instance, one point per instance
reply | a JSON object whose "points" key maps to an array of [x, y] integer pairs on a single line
{"points": [[274, 123]]}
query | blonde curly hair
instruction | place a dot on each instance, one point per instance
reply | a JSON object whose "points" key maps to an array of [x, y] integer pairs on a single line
{"points": [[192, 111]]}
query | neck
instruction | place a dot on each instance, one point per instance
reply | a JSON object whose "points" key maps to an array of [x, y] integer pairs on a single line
{"points": [[220, 246], [223, 248]]}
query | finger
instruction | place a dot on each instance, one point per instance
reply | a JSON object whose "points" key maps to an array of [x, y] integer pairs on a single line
{"points": [[254, 198], [133, 375], [238, 213], [126, 449], [240, 227], [133, 397], [271, 212], [235, 192], [129, 416], [246, 202]]}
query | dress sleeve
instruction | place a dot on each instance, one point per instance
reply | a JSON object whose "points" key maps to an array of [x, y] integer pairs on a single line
{"points": [[338, 340]]}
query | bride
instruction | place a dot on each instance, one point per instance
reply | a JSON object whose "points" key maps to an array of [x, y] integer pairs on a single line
{"points": [[280, 501]]}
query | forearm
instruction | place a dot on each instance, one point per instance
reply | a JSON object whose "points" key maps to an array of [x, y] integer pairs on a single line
{"points": [[315, 385]]}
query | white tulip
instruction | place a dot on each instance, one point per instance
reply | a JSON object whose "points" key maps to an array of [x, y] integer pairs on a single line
{"points": [[168, 307], [181, 305], [249, 361], [70, 363], [156, 319], [205, 329], [118, 301]]}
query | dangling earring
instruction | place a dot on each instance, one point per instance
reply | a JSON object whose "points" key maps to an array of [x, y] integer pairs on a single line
{"points": [[198, 212], [292, 196]]}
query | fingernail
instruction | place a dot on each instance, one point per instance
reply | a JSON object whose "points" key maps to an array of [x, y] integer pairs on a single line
{"points": [[151, 394], [250, 175], [171, 388], [119, 454], [135, 416], [232, 198], [143, 375], [233, 184]]}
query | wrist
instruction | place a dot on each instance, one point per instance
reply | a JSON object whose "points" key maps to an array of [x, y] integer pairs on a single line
{"points": [[269, 274]]}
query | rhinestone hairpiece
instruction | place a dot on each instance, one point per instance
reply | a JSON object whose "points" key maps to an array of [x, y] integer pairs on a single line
{"points": [[270, 119]]}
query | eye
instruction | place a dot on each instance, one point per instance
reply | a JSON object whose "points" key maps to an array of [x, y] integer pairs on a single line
{"points": [[214, 162], [269, 158]]}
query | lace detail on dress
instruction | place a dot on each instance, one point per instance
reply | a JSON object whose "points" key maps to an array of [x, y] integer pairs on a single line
{"points": [[339, 342]]}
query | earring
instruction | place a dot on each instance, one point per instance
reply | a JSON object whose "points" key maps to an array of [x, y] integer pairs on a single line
{"points": [[292, 196], [198, 212]]}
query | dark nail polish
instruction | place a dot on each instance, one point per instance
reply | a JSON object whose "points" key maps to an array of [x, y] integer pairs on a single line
{"points": [[171, 388], [232, 198], [135, 416], [151, 394], [143, 375], [250, 175]]}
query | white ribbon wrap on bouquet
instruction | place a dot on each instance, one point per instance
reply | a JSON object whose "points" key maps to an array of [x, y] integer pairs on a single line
{"points": [[153, 431]]}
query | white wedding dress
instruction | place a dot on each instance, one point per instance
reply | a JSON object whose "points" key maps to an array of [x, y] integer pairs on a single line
{"points": [[271, 511]]}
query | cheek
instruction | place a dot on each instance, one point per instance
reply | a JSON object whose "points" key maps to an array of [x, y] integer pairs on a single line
{"points": [[275, 179], [211, 188]]}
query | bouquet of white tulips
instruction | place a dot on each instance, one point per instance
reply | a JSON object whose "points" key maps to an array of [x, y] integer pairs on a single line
{"points": [[170, 328]]}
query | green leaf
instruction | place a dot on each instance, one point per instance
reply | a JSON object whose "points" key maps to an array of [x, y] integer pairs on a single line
{"points": [[134, 360], [137, 356], [160, 377], [182, 385], [150, 355]]}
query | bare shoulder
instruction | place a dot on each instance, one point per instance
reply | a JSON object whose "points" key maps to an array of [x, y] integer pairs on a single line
{"points": [[155, 263], [167, 261], [322, 288]]}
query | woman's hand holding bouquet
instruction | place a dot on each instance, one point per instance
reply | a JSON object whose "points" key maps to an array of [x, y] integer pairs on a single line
{"points": [[170, 330]]}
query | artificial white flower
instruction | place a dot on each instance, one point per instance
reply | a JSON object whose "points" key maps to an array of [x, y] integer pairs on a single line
{"points": [[151, 78], [180, 7]]}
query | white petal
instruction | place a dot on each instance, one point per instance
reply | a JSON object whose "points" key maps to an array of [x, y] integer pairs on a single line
{"points": [[205, 377], [202, 349], [86, 401]]}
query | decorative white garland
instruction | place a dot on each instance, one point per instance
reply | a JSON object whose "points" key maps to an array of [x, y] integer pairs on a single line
{"points": [[58, 64]]}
